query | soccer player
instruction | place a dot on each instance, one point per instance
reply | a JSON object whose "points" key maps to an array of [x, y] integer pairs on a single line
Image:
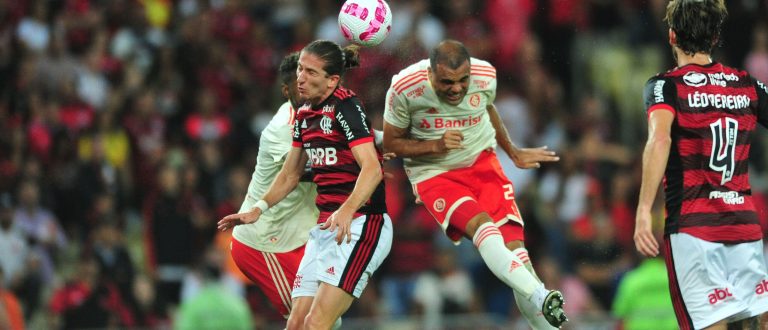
{"points": [[701, 118], [439, 115], [354, 232], [269, 251]]}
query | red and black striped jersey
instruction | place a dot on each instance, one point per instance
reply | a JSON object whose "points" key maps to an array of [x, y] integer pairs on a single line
{"points": [[327, 132], [707, 187]]}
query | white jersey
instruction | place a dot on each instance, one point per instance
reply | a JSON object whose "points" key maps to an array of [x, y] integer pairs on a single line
{"points": [[412, 103], [285, 226]]}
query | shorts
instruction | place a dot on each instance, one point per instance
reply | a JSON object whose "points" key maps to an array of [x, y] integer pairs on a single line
{"points": [[455, 197], [273, 273], [710, 282], [348, 266]]}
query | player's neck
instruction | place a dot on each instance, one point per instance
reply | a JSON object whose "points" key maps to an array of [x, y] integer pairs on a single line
{"points": [[684, 59], [323, 97]]}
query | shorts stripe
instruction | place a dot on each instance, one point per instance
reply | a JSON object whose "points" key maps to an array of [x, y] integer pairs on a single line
{"points": [[274, 267], [362, 253], [285, 283], [684, 320], [453, 208], [364, 257]]}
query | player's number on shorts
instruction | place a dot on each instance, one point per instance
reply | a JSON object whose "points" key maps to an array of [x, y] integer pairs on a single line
{"points": [[509, 192], [722, 159]]}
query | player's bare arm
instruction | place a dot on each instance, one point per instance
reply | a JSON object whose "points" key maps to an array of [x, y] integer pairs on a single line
{"points": [[655, 158], [369, 178], [398, 141], [523, 157], [285, 181], [378, 140]]}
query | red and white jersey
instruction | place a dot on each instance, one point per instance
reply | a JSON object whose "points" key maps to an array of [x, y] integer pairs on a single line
{"points": [[413, 104], [285, 226]]}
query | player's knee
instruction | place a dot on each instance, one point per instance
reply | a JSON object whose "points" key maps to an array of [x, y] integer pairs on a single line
{"points": [[514, 245], [295, 322], [475, 223], [316, 321]]}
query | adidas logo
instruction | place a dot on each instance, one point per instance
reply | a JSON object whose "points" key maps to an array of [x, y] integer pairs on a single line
{"points": [[304, 124], [514, 265], [330, 271], [432, 111]]}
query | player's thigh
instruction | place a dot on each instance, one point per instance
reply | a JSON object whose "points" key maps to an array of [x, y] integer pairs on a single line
{"points": [[306, 282], [705, 295], [349, 266], [330, 303], [747, 272], [496, 192], [273, 273], [451, 202]]}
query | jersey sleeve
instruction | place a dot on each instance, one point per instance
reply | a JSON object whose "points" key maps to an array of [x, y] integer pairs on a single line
{"points": [[762, 102], [396, 110], [296, 133], [351, 117], [491, 91], [659, 93], [483, 75]]}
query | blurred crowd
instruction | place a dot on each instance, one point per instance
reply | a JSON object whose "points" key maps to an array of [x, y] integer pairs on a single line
{"points": [[129, 127]]}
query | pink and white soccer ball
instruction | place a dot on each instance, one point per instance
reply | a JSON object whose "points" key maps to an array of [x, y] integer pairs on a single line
{"points": [[365, 22]]}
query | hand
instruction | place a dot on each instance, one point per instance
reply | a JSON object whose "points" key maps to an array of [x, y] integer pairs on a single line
{"points": [[238, 219], [452, 139], [389, 156], [526, 158], [645, 242], [342, 222]]}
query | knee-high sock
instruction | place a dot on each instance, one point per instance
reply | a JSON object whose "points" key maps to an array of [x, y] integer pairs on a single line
{"points": [[531, 312], [506, 265]]}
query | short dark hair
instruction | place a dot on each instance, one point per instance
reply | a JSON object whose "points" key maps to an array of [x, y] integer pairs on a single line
{"points": [[337, 60], [288, 67], [696, 23], [448, 52]]}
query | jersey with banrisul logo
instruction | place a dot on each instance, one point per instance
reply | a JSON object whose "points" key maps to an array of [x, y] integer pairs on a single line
{"points": [[412, 103], [707, 187], [327, 132]]}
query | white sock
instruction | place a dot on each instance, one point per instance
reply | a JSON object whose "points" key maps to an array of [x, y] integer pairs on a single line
{"points": [[506, 265], [531, 312]]}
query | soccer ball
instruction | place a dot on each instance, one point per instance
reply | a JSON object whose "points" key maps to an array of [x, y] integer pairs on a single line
{"points": [[365, 22]]}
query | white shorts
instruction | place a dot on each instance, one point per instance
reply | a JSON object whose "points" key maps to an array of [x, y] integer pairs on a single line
{"points": [[710, 282], [349, 265]]}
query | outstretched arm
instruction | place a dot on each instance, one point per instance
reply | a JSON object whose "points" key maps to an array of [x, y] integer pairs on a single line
{"points": [[523, 157], [285, 181]]}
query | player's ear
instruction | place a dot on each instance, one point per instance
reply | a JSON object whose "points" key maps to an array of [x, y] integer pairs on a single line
{"points": [[672, 37], [333, 81], [284, 90]]}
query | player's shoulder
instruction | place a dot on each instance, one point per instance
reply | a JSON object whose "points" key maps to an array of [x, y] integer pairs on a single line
{"points": [[283, 117], [665, 76], [479, 65], [344, 94], [411, 78], [483, 75]]}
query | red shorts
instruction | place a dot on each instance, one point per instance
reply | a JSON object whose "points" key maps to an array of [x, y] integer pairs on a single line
{"points": [[273, 273], [455, 197]]}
